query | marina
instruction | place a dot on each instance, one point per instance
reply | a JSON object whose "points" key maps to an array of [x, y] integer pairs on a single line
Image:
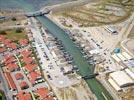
{"points": [[72, 53], [84, 67]]}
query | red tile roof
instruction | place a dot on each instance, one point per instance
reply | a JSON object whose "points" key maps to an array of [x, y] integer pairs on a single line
{"points": [[42, 92], [27, 60], [26, 53], [12, 60], [23, 42], [2, 38], [48, 98], [24, 96], [12, 66], [28, 96], [7, 41], [19, 76], [23, 84], [10, 81], [34, 76], [8, 59], [30, 67], [2, 50], [13, 45]]}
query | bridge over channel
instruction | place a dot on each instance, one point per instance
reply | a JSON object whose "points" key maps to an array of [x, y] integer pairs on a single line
{"points": [[38, 13], [90, 76]]}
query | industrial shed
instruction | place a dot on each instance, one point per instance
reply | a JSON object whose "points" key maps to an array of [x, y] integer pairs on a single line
{"points": [[121, 79], [114, 85], [114, 56], [126, 55], [130, 73], [121, 57]]}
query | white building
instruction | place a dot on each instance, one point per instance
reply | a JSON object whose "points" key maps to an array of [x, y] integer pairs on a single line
{"points": [[114, 85], [121, 79], [121, 57], [68, 69], [130, 73], [94, 51], [126, 55], [114, 56]]}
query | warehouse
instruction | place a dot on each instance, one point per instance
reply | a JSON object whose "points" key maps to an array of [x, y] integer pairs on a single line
{"points": [[130, 73], [121, 79], [114, 56], [126, 55], [114, 85], [121, 57]]}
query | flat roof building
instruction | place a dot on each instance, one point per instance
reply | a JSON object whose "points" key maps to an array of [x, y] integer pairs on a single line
{"points": [[121, 57], [126, 55], [114, 56], [130, 73], [121, 79], [114, 85]]}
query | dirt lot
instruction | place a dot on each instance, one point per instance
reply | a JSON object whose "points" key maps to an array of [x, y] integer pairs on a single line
{"points": [[128, 95], [103, 12], [76, 92], [131, 33], [11, 18]]}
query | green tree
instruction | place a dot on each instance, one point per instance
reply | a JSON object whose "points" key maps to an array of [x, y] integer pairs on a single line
{"points": [[18, 30], [13, 19], [2, 32]]}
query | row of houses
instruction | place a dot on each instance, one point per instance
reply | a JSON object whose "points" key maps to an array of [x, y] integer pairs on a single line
{"points": [[30, 67], [7, 44], [33, 75], [10, 66], [41, 94]]}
